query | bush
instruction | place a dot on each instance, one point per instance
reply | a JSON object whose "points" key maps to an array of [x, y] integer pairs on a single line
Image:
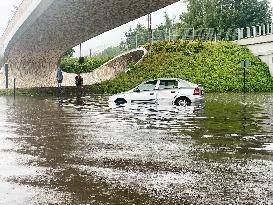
{"points": [[216, 65], [72, 65]]}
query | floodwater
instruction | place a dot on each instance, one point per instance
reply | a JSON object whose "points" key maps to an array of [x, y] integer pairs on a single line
{"points": [[60, 153]]}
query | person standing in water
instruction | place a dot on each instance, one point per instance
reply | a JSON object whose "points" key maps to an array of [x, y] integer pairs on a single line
{"points": [[59, 76]]}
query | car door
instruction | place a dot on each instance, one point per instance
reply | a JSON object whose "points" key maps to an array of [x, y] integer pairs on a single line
{"points": [[145, 92], [167, 90]]}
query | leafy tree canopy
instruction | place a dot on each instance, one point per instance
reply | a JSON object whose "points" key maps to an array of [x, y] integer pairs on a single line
{"points": [[226, 14], [69, 53]]}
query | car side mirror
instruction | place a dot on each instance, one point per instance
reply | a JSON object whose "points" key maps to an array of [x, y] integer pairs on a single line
{"points": [[136, 90]]}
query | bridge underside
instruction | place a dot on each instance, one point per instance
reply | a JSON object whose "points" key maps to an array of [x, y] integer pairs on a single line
{"points": [[53, 28]]}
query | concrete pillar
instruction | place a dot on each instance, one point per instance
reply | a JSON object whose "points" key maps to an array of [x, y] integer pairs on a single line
{"points": [[270, 64], [254, 31], [263, 27], [248, 32], [260, 31], [267, 29], [242, 32], [239, 34]]}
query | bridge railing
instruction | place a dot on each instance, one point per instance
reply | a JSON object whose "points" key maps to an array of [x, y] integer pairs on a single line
{"points": [[255, 31], [207, 34], [136, 39]]}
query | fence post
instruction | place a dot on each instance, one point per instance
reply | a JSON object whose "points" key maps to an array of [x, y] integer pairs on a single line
{"points": [[264, 33], [239, 34], [242, 33], [267, 29], [260, 30], [248, 32], [254, 31]]}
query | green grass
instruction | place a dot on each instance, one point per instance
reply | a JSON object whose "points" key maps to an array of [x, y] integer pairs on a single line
{"points": [[214, 64]]}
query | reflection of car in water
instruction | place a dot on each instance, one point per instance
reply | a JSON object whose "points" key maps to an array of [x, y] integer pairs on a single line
{"points": [[170, 90]]}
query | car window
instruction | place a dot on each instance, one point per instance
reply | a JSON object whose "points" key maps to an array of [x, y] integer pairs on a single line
{"points": [[147, 86], [168, 84], [184, 83]]}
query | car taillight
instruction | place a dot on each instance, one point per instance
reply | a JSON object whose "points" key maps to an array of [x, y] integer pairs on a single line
{"points": [[196, 91]]}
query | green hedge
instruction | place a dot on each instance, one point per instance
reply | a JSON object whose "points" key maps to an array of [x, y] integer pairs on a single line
{"points": [[214, 64], [71, 65]]}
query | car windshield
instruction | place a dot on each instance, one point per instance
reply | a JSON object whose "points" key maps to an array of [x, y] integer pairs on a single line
{"points": [[168, 84], [147, 86]]}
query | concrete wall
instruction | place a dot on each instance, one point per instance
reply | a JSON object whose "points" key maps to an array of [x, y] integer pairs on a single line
{"points": [[41, 32], [262, 47], [109, 70]]}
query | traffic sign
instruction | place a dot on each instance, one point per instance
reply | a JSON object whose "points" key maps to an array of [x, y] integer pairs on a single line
{"points": [[245, 64]]}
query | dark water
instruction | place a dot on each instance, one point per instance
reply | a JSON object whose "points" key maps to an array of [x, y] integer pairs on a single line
{"points": [[143, 154]]}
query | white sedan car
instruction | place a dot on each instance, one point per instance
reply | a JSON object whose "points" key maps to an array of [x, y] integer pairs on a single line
{"points": [[176, 91]]}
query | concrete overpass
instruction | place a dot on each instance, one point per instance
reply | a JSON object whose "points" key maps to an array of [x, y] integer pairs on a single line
{"points": [[259, 40], [42, 30]]}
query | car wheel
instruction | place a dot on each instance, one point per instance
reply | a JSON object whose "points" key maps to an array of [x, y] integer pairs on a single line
{"points": [[182, 101], [120, 101]]}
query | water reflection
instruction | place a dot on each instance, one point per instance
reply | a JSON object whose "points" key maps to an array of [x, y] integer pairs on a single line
{"points": [[66, 152]]}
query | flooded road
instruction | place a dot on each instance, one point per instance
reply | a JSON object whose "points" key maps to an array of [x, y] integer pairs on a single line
{"points": [[58, 153]]}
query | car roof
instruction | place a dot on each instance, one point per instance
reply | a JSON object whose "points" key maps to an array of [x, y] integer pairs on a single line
{"points": [[165, 79], [179, 79]]}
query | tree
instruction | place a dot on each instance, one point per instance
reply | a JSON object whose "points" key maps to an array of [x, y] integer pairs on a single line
{"points": [[168, 21], [111, 51], [69, 53], [226, 14], [135, 37]]}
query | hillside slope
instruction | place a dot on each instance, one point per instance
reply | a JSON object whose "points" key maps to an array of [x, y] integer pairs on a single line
{"points": [[214, 64]]}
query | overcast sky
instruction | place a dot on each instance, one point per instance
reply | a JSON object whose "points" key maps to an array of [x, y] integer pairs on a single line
{"points": [[107, 39], [6, 7]]}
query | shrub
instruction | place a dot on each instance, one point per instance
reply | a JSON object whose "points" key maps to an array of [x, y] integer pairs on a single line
{"points": [[214, 64], [72, 65]]}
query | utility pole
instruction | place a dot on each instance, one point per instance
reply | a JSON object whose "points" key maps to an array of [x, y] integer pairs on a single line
{"points": [[150, 32]]}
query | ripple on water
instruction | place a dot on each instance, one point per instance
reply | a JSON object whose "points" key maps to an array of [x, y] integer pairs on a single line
{"points": [[92, 153]]}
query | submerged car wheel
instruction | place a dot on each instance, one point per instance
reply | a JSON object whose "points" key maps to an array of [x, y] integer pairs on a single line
{"points": [[182, 101], [120, 101]]}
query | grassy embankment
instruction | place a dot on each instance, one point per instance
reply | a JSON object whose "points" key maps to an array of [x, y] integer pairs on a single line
{"points": [[214, 64]]}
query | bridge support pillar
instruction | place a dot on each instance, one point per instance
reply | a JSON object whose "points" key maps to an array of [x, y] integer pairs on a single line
{"points": [[32, 74]]}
